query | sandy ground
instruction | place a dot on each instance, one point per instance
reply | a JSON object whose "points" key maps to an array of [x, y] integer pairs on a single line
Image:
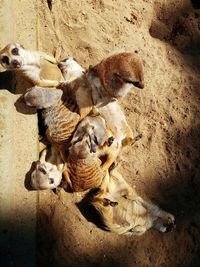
{"points": [[164, 163], [18, 143]]}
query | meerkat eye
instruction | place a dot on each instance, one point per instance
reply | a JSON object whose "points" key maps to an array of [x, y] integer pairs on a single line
{"points": [[110, 140], [113, 203], [96, 140], [41, 169], [5, 60], [15, 51]]}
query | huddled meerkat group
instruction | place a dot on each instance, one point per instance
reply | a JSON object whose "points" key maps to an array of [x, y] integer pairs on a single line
{"points": [[86, 130]]}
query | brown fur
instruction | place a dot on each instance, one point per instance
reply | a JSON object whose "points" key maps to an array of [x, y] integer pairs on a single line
{"points": [[117, 70]]}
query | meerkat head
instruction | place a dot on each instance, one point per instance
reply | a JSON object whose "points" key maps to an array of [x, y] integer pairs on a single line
{"points": [[90, 133], [40, 97], [40, 177], [81, 148], [94, 128], [70, 69], [118, 74], [12, 56]]}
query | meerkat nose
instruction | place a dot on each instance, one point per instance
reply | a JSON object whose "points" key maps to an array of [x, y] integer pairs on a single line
{"points": [[15, 63], [139, 84]]}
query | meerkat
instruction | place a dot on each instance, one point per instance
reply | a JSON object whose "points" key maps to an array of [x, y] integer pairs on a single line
{"points": [[124, 212], [84, 167], [60, 113], [82, 171], [48, 170], [37, 67]]}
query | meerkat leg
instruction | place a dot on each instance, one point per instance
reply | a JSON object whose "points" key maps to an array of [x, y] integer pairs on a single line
{"points": [[67, 177], [60, 163], [48, 58], [115, 164], [111, 150], [56, 158], [109, 161], [43, 155], [129, 136], [84, 112], [46, 83], [42, 146]]}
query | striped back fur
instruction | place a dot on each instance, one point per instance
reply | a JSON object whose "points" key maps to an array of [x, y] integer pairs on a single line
{"points": [[61, 120], [84, 173]]}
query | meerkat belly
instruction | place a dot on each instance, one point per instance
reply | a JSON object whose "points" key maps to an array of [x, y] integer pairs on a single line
{"points": [[130, 216], [31, 73], [124, 218], [61, 123], [115, 119], [84, 173]]}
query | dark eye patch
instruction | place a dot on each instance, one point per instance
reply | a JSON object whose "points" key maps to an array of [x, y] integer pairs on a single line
{"points": [[5, 60], [78, 140], [15, 51], [41, 169], [110, 140], [96, 140]]}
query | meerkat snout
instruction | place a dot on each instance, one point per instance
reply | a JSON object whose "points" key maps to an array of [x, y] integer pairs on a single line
{"points": [[16, 63]]}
